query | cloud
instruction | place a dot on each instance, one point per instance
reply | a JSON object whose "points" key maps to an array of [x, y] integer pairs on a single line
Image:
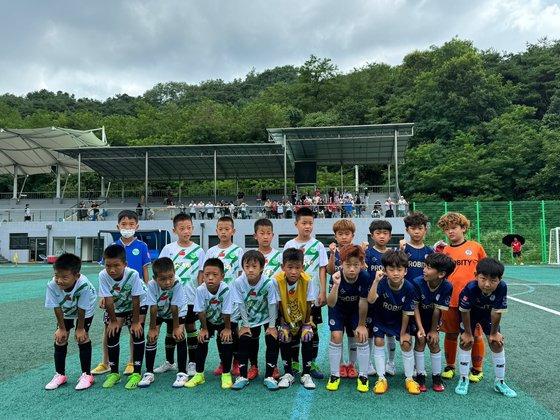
{"points": [[99, 49]]}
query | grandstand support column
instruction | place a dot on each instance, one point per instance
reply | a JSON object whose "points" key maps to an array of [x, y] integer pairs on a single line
{"points": [[285, 170], [215, 176], [102, 187], [397, 189], [341, 180], [14, 195], [146, 185], [357, 179], [79, 178], [57, 181]]}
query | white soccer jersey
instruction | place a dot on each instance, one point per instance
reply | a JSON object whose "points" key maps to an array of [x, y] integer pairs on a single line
{"points": [[123, 290], [314, 257], [82, 296], [188, 263], [165, 298], [231, 257], [255, 298], [272, 263], [215, 305]]}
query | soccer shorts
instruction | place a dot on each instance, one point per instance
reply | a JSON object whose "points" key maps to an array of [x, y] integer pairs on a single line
{"points": [[517, 254], [426, 320], [169, 322], [478, 325], [316, 315], [451, 320], [191, 317], [126, 315], [340, 318], [380, 330], [69, 323]]}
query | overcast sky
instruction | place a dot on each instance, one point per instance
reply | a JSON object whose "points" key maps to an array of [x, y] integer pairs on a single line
{"points": [[102, 48]]}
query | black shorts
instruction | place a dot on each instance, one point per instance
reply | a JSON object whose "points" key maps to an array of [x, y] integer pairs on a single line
{"points": [[517, 254], [316, 314], [69, 323], [169, 322], [219, 327], [126, 315], [191, 317]]}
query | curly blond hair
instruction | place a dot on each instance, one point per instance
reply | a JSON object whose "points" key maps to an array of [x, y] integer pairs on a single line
{"points": [[453, 219]]}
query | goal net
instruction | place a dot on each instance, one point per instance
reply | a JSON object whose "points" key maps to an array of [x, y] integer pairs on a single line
{"points": [[554, 246]]}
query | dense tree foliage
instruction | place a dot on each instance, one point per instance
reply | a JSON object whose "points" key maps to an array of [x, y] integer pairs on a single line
{"points": [[487, 123]]}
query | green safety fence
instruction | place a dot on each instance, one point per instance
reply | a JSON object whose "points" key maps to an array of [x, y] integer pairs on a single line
{"points": [[490, 221]]}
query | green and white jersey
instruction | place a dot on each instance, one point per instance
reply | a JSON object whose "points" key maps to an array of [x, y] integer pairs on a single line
{"points": [[314, 257], [231, 257], [122, 290], [188, 263], [272, 263], [164, 299], [82, 296], [255, 298], [215, 305]]}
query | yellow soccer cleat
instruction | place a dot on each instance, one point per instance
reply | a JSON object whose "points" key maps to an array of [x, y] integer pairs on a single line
{"points": [[476, 376], [333, 383], [227, 383], [129, 369], [412, 386], [101, 369], [363, 384], [197, 379], [381, 386], [448, 373]]}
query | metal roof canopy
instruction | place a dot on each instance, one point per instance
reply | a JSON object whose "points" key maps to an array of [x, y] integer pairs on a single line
{"points": [[176, 162]]}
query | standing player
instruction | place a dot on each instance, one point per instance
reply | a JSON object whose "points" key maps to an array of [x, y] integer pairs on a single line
{"points": [[188, 258], [433, 296], [466, 255], [230, 255], [416, 224], [482, 302], [167, 302], [72, 297], [348, 306], [315, 264]]}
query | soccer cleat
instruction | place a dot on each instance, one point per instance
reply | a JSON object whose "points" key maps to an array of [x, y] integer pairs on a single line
{"points": [[191, 369], [437, 383], [448, 372], [165, 366], [147, 380], [371, 370], [307, 381], [351, 371], [133, 381], [219, 370], [315, 371], [240, 383], [276, 373], [253, 372], [296, 368], [286, 381], [390, 368], [462, 387], [197, 379], [381, 386], [363, 384], [101, 369], [235, 368], [343, 372], [333, 383], [56, 381], [180, 380], [270, 384], [421, 381], [501, 387], [111, 380], [475, 376], [85, 382], [520, 264], [226, 381], [412, 386], [129, 369]]}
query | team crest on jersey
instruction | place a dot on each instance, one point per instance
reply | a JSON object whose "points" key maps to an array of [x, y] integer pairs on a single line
{"points": [[437, 297], [214, 301], [492, 298], [468, 252], [68, 297], [403, 299], [375, 329], [182, 253], [424, 297], [342, 291], [252, 293], [266, 261], [331, 322], [163, 297], [221, 254], [186, 265], [465, 299], [136, 252]]}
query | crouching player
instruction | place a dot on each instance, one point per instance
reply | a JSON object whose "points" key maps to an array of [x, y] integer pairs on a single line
{"points": [[348, 305], [255, 296], [483, 301], [168, 303], [72, 297], [393, 300], [434, 294]]}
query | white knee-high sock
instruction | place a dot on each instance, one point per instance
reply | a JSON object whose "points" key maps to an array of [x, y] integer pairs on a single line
{"points": [[436, 363], [420, 362], [362, 350], [391, 347], [464, 362], [334, 358], [408, 363], [371, 348], [379, 357], [499, 361]]}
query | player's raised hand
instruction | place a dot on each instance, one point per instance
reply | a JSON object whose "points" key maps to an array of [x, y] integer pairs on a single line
{"points": [[402, 244], [365, 245], [332, 248], [336, 278], [379, 275], [202, 335]]}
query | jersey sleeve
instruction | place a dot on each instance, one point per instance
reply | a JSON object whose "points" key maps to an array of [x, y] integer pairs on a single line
{"points": [[239, 259], [271, 292], [443, 299], [179, 298], [481, 252], [165, 252], [410, 300], [201, 257], [310, 292], [104, 287], [465, 304], [151, 298], [137, 289], [364, 279], [227, 304], [236, 290], [50, 298], [87, 298], [500, 303], [323, 259], [199, 305], [145, 255]]}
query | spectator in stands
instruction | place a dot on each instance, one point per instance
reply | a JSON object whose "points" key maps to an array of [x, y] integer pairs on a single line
{"points": [[243, 210], [240, 197], [95, 211], [82, 212], [280, 209], [192, 209], [210, 210], [294, 197], [139, 210], [377, 209], [389, 208], [289, 209], [169, 198], [402, 207], [232, 210], [27, 214], [201, 209], [358, 205]]}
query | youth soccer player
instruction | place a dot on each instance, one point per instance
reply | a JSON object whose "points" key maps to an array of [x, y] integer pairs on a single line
{"points": [[315, 264], [214, 306], [168, 303], [482, 302], [230, 254], [188, 258], [416, 226], [138, 259], [295, 292], [73, 299], [255, 296], [348, 306], [393, 298], [433, 297], [125, 302], [344, 230], [466, 255]]}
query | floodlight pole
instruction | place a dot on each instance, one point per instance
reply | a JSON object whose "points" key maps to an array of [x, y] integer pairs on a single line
{"points": [[215, 176], [285, 170], [146, 185], [397, 190], [14, 195], [357, 179], [79, 177], [57, 181]]}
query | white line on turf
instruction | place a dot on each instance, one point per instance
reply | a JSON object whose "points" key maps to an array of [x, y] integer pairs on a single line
{"points": [[534, 305]]}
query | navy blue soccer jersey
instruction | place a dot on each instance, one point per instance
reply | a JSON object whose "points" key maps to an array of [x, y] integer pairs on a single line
{"points": [[416, 258], [473, 300], [373, 261], [390, 306], [346, 310], [429, 299]]}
